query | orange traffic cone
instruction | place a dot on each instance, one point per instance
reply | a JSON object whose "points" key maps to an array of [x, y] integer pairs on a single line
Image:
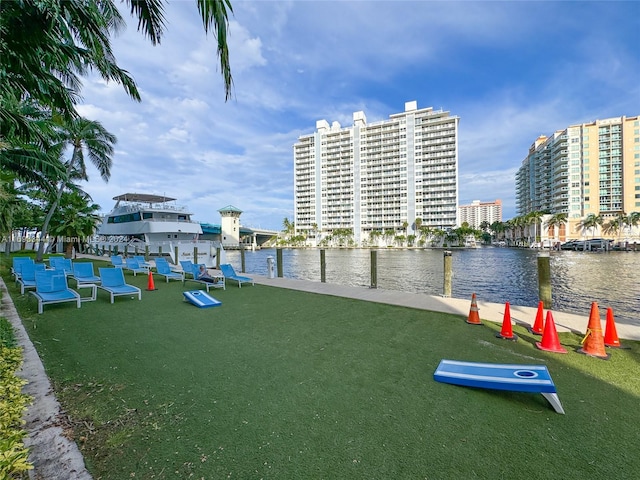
{"points": [[610, 333], [474, 317], [150, 285], [550, 341], [593, 343], [538, 325], [507, 329]]}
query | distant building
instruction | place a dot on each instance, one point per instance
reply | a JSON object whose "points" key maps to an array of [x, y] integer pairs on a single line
{"points": [[588, 168], [230, 226], [479, 212], [377, 177]]}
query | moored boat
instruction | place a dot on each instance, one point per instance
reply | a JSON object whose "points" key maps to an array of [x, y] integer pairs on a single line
{"points": [[142, 222]]}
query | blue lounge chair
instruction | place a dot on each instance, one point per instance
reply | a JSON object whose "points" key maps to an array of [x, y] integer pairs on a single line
{"points": [[83, 273], [142, 261], [187, 268], [112, 281], [61, 264], [27, 277], [51, 287], [164, 269], [133, 265], [230, 274], [195, 272], [16, 267], [116, 261], [164, 261]]}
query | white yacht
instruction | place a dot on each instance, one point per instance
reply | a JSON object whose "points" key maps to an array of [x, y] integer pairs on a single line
{"points": [[140, 221]]}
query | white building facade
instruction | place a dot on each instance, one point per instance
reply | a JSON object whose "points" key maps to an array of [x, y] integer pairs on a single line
{"points": [[396, 174], [479, 212]]}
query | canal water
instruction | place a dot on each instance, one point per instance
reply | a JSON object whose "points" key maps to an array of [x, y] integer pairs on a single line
{"points": [[495, 274]]}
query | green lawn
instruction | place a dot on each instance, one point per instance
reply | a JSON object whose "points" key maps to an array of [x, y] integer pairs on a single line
{"points": [[283, 384]]}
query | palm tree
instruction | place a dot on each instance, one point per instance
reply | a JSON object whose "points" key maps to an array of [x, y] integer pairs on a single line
{"points": [[82, 136], [556, 220], [25, 130], [633, 219], [214, 14], [8, 202], [612, 227], [498, 228], [425, 233], [288, 226], [518, 224], [48, 44], [533, 218], [374, 236], [589, 223], [77, 218], [388, 234]]}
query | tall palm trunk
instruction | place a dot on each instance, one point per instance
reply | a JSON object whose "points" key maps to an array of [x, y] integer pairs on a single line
{"points": [[47, 220]]}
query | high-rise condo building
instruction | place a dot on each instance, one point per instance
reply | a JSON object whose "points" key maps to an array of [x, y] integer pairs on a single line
{"points": [[396, 174], [479, 212], [590, 168]]}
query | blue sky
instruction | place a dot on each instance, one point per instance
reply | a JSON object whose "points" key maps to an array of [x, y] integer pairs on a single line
{"points": [[510, 70]]}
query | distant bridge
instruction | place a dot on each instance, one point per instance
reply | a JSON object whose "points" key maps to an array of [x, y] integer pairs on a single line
{"points": [[248, 236]]}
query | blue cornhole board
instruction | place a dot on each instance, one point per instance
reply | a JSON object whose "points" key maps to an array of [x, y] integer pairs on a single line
{"points": [[201, 299], [500, 376]]}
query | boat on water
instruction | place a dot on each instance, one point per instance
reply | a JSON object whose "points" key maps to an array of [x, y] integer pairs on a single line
{"points": [[141, 222], [471, 242]]}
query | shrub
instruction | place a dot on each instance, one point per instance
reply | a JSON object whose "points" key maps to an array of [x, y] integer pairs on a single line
{"points": [[13, 403]]}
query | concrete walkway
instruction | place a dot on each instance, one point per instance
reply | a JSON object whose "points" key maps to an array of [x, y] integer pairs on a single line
{"points": [[494, 312], [56, 458]]}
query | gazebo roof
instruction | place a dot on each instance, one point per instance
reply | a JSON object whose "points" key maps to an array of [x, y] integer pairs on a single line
{"points": [[230, 208]]}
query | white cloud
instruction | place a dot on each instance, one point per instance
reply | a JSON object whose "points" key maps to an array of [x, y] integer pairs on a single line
{"points": [[511, 71]]}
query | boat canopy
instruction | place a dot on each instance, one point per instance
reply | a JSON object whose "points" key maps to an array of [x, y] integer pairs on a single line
{"points": [[143, 197]]}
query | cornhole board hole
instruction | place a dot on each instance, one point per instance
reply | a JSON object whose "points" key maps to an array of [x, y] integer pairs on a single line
{"points": [[201, 299], [500, 376]]}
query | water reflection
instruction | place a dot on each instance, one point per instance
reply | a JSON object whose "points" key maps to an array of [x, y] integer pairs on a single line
{"points": [[494, 274]]}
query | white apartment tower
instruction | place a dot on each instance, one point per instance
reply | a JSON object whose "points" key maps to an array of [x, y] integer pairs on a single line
{"points": [[479, 212], [377, 177]]}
